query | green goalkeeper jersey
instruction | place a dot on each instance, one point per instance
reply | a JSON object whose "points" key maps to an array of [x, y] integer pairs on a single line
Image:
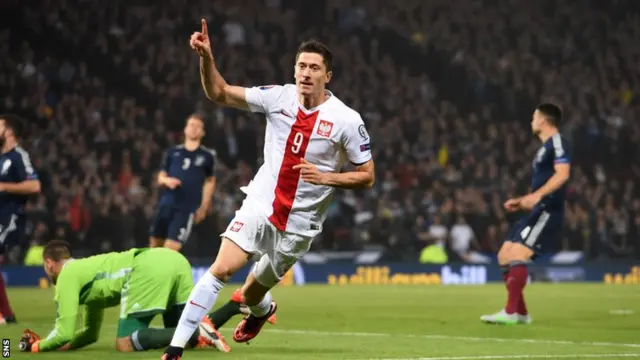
{"points": [[95, 282]]}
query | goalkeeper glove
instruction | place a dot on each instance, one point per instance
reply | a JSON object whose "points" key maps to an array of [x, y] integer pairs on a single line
{"points": [[29, 341]]}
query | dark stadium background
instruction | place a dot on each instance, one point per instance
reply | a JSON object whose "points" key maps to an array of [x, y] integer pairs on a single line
{"points": [[446, 88]]}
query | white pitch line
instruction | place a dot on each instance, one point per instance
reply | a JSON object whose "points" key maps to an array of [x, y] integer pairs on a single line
{"points": [[452, 337], [621, 312], [489, 357], [424, 336]]}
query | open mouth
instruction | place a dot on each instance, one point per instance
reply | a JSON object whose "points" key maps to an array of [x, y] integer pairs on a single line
{"points": [[305, 83]]}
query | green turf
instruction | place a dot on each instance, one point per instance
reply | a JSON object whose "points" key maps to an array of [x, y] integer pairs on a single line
{"points": [[400, 322]]}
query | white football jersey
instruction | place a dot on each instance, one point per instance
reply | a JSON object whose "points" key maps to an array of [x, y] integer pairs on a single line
{"points": [[326, 136]]}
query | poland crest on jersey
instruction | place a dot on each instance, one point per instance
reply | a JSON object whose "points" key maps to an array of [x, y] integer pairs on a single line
{"points": [[324, 128], [237, 226]]}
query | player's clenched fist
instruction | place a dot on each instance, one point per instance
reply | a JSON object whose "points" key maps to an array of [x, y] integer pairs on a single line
{"points": [[200, 41], [512, 205], [29, 341], [172, 183]]}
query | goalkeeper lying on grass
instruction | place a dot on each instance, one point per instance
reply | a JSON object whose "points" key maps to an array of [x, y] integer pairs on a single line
{"points": [[145, 282]]}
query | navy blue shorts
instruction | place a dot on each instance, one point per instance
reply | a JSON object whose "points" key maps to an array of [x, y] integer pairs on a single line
{"points": [[170, 223], [12, 230], [539, 230]]}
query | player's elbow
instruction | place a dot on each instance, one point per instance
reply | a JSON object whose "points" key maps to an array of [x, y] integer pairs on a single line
{"points": [[369, 181], [217, 94], [37, 187], [368, 170], [213, 96], [30, 187], [225, 95], [563, 176], [219, 97], [65, 339], [371, 178]]}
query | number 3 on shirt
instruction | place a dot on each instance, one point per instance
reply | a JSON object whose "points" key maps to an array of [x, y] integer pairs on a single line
{"points": [[186, 163], [298, 138]]}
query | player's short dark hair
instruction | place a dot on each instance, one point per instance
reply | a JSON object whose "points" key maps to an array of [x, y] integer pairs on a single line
{"points": [[316, 47], [57, 250], [551, 112], [196, 116], [15, 123]]}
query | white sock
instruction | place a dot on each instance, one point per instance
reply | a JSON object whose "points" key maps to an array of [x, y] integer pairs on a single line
{"points": [[202, 298], [262, 308]]}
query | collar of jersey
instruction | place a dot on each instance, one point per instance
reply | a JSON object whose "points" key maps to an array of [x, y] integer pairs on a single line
{"points": [[10, 150], [314, 109], [68, 261]]}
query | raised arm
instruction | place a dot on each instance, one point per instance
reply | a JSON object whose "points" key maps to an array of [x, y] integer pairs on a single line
{"points": [[217, 89], [214, 85]]}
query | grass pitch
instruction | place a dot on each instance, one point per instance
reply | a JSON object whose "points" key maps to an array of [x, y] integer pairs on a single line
{"points": [[571, 321]]}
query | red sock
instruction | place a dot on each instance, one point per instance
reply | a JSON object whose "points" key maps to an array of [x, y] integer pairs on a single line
{"points": [[516, 282], [5, 308], [522, 307]]}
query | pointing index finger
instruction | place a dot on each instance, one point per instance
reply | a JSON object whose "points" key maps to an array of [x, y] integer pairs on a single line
{"points": [[204, 27]]}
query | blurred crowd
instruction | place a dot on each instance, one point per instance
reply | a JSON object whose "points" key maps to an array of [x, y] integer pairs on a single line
{"points": [[446, 88]]}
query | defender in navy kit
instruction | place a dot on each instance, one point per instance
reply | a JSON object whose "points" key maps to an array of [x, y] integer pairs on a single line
{"points": [[188, 181], [18, 180], [537, 232]]}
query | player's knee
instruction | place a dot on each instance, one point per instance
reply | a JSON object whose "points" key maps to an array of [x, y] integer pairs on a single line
{"points": [[520, 253], [222, 270], [504, 253], [230, 259], [504, 258], [155, 242], [124, 344], [265, 273]]}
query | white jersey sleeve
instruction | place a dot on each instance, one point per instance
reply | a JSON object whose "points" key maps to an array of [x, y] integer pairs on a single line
{"points": [[356, 141], [262, 99]]}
